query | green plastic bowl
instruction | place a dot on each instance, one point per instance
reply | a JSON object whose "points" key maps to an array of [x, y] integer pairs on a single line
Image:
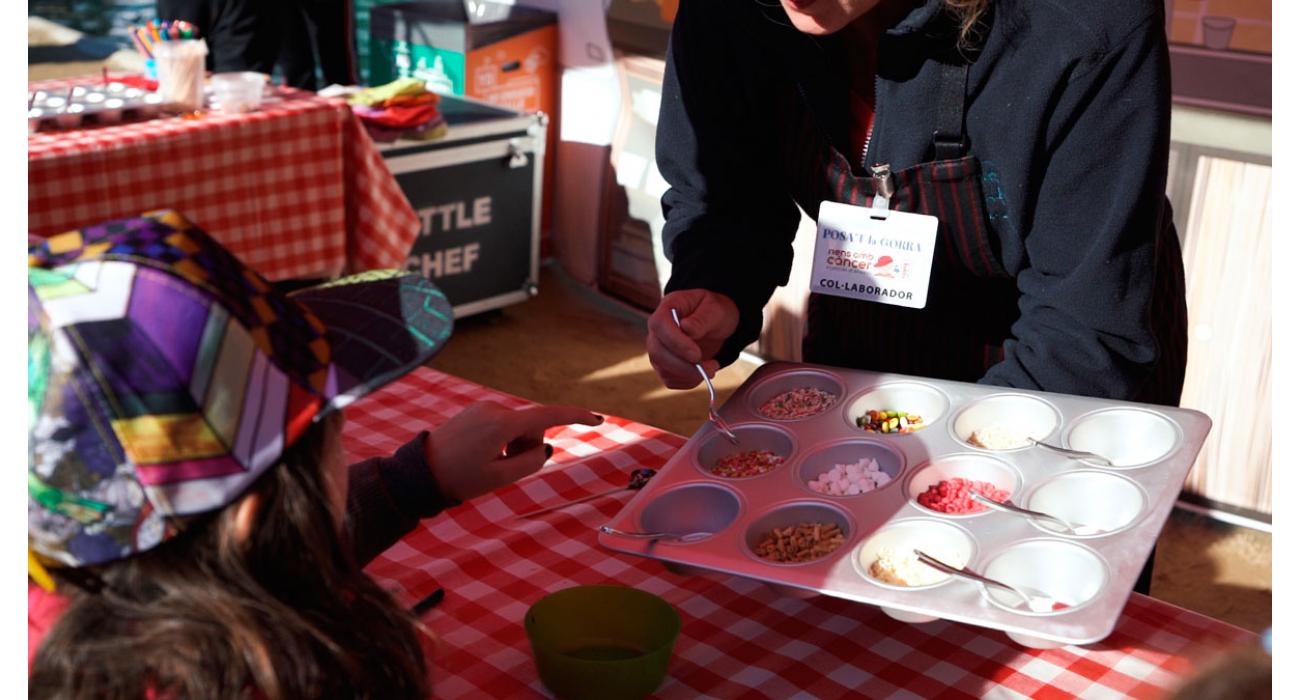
{"points": [[602, 642]]}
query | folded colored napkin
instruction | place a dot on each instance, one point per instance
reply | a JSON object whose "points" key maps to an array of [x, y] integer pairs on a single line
{"points": [[403, 108], [398, 117], [429, 132], [374, 96], [426, 98]]}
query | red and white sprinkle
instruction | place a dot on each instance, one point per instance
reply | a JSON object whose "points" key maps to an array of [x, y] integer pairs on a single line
{"points": [[952, 496], [743, 464], [797, 403]]}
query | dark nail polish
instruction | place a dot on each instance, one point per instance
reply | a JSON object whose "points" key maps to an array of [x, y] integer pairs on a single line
{"points": [[549, 451], [599, 418]]}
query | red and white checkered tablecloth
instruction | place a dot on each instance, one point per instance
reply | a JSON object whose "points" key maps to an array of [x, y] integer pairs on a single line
{"points": [[296, 189], [739, 638]]}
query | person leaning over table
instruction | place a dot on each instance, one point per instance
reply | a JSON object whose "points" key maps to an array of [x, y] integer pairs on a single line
{"points": [[194, 528], [1037, 132]]}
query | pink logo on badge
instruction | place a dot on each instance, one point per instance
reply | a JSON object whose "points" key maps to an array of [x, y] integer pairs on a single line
{"points": [[885, 267]]}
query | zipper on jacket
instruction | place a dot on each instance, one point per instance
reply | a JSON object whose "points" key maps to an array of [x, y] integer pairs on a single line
{"points": [[875, 119]]}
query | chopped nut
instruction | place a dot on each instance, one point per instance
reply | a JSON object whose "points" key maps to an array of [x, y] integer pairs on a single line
{"points": [[800, 543]]}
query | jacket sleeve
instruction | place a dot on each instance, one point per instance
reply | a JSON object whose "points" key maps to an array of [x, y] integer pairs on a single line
{"points": [[1086, 294], [388, 496], [728, 220]]}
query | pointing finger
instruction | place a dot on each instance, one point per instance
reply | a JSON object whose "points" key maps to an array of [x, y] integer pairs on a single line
{"points": [[538, 419]]}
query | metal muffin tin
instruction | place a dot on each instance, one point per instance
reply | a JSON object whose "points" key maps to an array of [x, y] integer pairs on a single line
{"points": [[1153, 447], [99, 103]]}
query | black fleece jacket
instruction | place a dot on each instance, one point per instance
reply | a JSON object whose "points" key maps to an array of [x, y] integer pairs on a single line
{"points": [[1068, 107]]}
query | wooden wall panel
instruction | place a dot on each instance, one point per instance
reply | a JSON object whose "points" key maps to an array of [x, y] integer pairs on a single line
{"points": [[1227, 256]]}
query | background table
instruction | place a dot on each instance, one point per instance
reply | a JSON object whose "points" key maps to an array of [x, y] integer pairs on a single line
{"points": [[295, 189], [739, 637]]}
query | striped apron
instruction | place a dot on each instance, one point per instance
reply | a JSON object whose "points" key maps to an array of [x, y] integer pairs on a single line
{"points": [[972, 300]]}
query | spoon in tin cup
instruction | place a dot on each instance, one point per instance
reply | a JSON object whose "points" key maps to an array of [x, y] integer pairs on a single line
{"points": [[635, 482], [1034, 600], [678, 537], [713, 397], [1066, 526], [1080, 455]]}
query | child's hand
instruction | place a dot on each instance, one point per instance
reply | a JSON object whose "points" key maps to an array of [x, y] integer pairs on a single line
{"points": [[487, 445]]}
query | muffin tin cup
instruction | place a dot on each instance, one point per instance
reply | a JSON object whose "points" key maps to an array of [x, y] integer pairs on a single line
{"points": [[915, 398], [1129, 437], [792, 591], [1088, 498], [1093, 573], [752, 436], [691, 507], [908, 616], [973, 466], [1017, 414], [1065, 571], [111, 113], [824, 458], [950, 543], [685, 569], [795, 513], [70, 117], [784, 382]]}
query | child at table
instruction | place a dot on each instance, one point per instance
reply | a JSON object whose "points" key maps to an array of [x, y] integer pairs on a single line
{"points": [[188, 493]]}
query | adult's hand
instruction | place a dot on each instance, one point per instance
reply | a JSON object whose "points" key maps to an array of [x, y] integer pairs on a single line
{"points": [[487, 445], [708, 319]]}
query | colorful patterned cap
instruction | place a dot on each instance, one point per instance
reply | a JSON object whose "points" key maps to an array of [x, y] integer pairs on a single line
{"points": [[165, 376]]}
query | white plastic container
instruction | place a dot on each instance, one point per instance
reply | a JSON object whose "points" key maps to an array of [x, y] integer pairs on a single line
{"points": [[237, 92]]}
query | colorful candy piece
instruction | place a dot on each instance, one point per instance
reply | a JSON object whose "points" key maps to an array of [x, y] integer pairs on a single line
{"points": [[889, 421]]}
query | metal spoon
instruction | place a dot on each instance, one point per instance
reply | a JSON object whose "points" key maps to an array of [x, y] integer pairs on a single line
{"points": [[713, 397], [1065, 525], [681, 537], [1035, 600], [1076, 454], [635, 481]]}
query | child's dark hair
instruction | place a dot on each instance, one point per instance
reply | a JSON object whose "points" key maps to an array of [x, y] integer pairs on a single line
{"points": [[286, 613]]}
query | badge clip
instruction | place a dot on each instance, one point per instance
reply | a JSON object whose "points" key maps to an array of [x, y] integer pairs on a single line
{"points": [[884, 181]]}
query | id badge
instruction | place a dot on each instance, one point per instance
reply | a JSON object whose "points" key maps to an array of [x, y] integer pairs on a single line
{"points": [[874, 254]]}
